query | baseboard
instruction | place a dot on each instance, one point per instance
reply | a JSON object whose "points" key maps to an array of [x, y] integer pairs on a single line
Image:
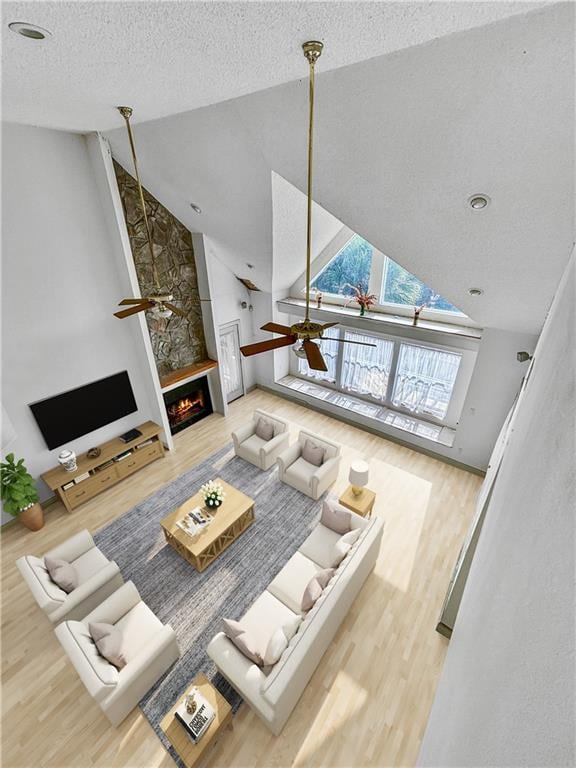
{"points": [[366, 428], [443, 629]]}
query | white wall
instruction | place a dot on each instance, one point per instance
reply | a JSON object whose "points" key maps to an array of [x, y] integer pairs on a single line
{"points": [[507, 692], [227, 293], [61, 283]]}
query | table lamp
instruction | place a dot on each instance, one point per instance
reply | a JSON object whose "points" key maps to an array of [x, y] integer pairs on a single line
{"points": [[358, 476]]}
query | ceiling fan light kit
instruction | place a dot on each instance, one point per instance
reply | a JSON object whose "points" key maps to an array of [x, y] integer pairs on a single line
{"points": [[159, 304], [303, 337]]}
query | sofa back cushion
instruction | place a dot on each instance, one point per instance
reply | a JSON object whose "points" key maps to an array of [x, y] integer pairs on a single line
{"points": [[279, 424], [264, 429], [330, 449]]}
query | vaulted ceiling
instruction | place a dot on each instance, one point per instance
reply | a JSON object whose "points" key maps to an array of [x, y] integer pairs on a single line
{"points": [[170, 57], [402, 141]]}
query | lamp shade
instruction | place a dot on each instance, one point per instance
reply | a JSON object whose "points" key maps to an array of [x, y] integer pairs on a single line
{"points": [[359, 472]]}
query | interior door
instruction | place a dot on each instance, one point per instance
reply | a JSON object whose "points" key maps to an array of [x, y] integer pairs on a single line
{"points": [[231, 361]]}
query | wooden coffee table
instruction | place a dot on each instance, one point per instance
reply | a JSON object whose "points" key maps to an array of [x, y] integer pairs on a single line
{"points": [[230, 520], [191, 754]]}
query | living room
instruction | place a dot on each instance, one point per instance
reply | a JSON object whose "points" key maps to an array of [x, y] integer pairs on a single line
{"points": [[292, 389]]}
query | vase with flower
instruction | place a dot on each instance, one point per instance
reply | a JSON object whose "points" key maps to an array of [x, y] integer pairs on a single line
{"points": [[361, 296], [213, 494]]}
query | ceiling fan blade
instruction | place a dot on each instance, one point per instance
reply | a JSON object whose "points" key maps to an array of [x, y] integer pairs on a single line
{"points": [[134, 310], [175, 310], [276, 328], [266, 346], [314, 356], [131, 301], [347, 341], [329, 325]]}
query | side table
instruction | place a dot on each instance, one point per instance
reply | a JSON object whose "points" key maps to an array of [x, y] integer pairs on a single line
{"points": [[361, 504]]}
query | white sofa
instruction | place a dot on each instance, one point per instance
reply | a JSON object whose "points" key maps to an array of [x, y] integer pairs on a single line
{"points": [[305, 477], [152, 646], [262, 453], [98, 578], [273, 696]]}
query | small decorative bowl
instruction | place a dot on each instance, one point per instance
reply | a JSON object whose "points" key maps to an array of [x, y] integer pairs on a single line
{"points": [[93, 453]]}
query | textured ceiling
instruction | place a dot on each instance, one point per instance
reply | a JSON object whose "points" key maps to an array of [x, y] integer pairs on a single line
{"points": [[402, 141], [169, 57]]}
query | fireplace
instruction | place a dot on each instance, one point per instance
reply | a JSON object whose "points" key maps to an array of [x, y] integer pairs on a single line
{"points": [[187, 404]]}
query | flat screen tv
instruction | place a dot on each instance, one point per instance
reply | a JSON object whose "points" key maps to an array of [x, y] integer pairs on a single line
{"points": [[74, 413]]}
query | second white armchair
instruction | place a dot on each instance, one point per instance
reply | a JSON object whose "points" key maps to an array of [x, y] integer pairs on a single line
{"points": [[260, 441], [311, 465]]}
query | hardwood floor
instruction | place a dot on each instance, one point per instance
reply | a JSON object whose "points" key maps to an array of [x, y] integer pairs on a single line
{"points": [[368, 701]]}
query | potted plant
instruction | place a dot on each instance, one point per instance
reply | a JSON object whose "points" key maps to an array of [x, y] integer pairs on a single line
{"points": [[362, 297], [19, 494]]}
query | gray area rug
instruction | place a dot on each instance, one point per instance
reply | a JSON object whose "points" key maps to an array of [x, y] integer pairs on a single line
{"points": [[195, 603]]}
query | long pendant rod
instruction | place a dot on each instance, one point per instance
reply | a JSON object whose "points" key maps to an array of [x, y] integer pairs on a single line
{"points": [[126, 113], [312, 51]]}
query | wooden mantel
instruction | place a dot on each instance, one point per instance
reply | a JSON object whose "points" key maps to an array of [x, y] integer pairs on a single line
{"points": [[190, 372]]}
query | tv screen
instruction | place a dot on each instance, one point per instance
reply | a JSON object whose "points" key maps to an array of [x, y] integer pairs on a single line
{"points": [[74, 413]]}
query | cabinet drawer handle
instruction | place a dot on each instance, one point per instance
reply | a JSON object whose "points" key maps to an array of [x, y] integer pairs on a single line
{"points": [[105, 480], [132, 463], [81, 493]]}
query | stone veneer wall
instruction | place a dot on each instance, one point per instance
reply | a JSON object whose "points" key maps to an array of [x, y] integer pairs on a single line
{"points": [[177, 342]]}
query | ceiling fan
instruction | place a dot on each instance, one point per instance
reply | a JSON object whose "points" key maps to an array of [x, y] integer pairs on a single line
{"points": [[302, 335], [160, 302]]}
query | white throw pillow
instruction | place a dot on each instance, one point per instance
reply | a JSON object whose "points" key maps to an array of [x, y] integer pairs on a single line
{"points": [[291, 627], [275, 648], [335, 516], [344, 545]]}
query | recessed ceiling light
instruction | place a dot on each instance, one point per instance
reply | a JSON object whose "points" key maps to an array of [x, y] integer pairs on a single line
{"points": [[31, 31], [195, 208], [250, 266], [475, 291], [478, 202]]}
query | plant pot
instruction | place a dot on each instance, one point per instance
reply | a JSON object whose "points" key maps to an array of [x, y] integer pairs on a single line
{"points": [[33, 517]]}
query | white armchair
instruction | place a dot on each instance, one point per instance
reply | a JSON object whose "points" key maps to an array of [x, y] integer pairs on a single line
{"points": [[250, 447], [151, 648], [98, 578], [307, 478]]}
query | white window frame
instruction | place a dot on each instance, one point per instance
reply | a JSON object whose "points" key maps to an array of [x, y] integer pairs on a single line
{"points": [[375, 286], [467, 351]]}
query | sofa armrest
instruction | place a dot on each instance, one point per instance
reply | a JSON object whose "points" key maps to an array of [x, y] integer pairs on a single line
{"points": [[115, 606], [48, 595], [73, 548], [276, 444], [242, 433], [289, 456], [164, 644], [246, 677], [325, 474]]}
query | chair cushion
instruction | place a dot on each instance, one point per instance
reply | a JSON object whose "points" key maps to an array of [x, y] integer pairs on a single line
{"points": [[250, 448], [300, 473], [315, 587], [109, 642], [62, 573], [265, 615], [138, 627], [313, 453], [264, 429], [335, 516], [90, 563], [106, 673], [289, 585], [320, 546]]}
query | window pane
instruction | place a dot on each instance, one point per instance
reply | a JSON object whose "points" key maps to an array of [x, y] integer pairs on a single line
{"points": [[330, 354], [425, 379], [365, 370], [350, 267], [401, 287]]}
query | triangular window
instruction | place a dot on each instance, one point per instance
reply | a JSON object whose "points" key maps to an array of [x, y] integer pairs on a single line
{"points": [[353, 266]]}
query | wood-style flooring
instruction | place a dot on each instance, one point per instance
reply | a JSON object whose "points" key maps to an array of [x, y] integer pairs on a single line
{"points": [[368, 701]]}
